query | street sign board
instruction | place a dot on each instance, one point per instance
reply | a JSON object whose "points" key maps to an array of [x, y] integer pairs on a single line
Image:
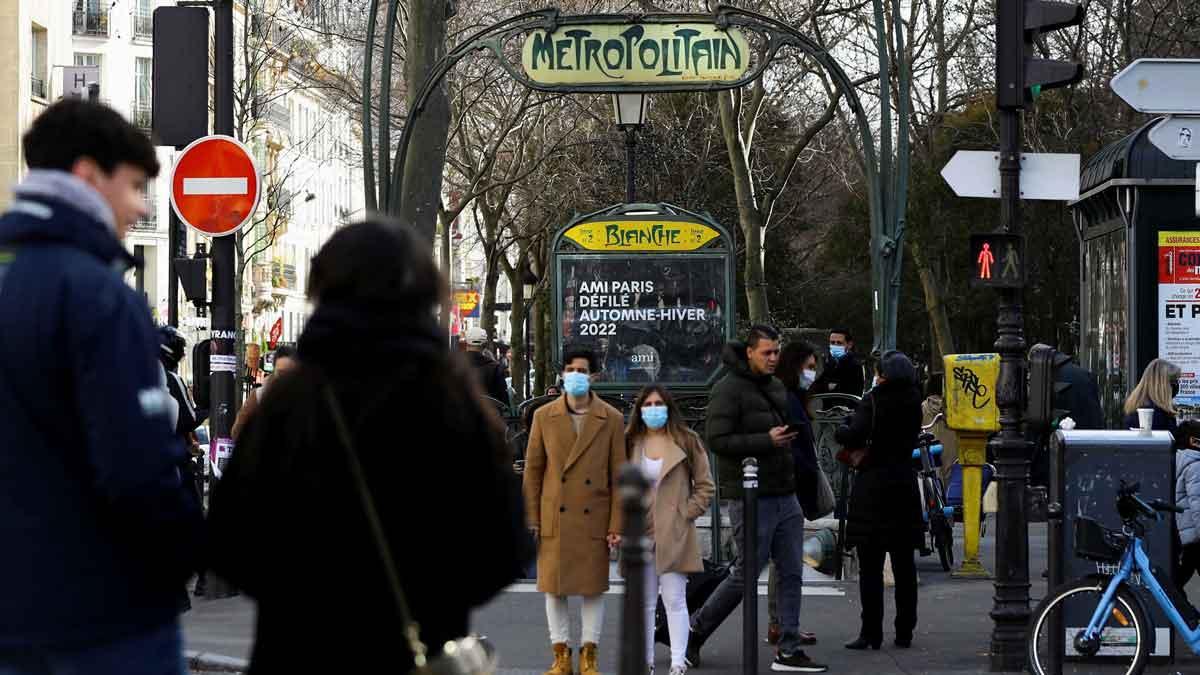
{"points": [[1178, 137], [1160, 85], [633, 55], [998, 260], [77, 78], [1044, 175], [215, 185]]}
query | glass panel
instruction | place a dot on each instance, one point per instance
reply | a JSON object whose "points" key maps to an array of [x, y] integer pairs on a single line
{"points": [[1107, 311], [142, 70], [82, 59]]}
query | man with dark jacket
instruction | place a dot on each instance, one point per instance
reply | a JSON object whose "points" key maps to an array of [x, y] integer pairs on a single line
{"points": [[98, 529], [747, 417], [843, 373], [490, 373]]}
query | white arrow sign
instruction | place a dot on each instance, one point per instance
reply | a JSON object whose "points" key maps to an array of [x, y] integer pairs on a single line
{"points": [[1160, 85], [976, 173], [1178, 137]]}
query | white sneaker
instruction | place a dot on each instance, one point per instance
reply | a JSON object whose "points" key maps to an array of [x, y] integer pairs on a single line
{"points": [[678, 670]]}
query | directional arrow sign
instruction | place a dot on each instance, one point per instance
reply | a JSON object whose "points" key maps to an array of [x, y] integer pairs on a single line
{"points": [[1160, 85], [976, 173], [1178, 137]]}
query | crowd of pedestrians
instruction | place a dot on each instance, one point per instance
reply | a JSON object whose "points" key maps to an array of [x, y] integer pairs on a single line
{"points": [[100, 505]]}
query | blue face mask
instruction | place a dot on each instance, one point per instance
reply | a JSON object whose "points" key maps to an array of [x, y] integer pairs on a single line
{"points": [[655, 416], [837, 351], [576, 384]]}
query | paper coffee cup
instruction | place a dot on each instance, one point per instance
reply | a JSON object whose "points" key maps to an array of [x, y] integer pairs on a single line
{"points": [[1145, 418]]}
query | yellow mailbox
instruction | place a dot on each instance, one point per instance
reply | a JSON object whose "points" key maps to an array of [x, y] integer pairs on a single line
{"points": [[971, 410], [971, 392]]}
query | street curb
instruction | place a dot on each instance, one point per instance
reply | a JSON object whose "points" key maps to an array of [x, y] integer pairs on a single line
{"points": [[215, 662]]}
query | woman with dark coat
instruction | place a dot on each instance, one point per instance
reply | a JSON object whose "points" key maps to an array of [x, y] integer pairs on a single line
{"points": [[885, 506], [288, 509]]}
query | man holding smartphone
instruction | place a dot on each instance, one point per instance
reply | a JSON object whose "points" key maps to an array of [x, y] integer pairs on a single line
{"points": [[747, 417]]}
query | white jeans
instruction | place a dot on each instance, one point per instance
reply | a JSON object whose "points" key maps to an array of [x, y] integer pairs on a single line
{"points": [[560, 620], [673, 587]]}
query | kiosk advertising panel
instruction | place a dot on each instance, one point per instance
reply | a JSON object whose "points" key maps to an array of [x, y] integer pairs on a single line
{"points": [[1179, 309], [649, 292]]}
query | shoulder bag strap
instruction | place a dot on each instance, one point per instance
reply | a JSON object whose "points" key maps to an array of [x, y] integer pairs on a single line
{"points": [[411, 629]]}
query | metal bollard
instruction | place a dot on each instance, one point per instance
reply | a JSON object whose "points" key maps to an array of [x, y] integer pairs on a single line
{"points": [[634, 551], [750, 563]]}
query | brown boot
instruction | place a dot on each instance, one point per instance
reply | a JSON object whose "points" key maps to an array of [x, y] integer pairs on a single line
{"points": [[589, 659], [562, 660]]}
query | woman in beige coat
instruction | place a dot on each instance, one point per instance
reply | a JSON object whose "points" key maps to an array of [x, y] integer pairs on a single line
{"points": [[675, 462]]}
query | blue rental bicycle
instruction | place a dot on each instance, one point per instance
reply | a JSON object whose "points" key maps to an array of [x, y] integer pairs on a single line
{"points": [[1098, 623], [938, 515]]}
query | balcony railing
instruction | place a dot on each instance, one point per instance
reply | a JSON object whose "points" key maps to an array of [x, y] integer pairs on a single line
{"points": [[143, 26], [283, 275], [148, 222], [140, 115], [91, 21], [37, 86]]}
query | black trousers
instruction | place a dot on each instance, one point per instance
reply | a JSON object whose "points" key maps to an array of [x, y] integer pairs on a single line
{"points": [[870, 586], [1188, 563]]}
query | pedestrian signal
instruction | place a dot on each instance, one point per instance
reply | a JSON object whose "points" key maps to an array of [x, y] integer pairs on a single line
{"points": [[998, 260]]}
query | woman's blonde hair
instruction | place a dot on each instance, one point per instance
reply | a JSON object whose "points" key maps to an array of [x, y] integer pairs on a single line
{"points": [[1154, 388]]}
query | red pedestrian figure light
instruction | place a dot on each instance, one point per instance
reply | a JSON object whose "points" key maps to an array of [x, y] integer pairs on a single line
{"points": [[985, 261]]}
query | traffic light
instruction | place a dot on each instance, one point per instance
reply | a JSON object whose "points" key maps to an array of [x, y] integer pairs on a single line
{"points": [[1020, 74], [1044, 362], [998, 260]]}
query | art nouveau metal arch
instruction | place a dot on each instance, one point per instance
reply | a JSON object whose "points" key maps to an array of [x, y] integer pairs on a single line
{"points": [[383, 192]]}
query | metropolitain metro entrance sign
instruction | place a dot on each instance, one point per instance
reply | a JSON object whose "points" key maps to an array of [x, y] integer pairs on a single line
{"points": [[632, 56]]}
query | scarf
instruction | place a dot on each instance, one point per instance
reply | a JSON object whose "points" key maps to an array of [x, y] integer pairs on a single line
{"points": [[63, 186]]}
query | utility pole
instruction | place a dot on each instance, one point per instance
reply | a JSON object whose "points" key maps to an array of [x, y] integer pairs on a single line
{"points": [[224, 332], [1020, 78]]}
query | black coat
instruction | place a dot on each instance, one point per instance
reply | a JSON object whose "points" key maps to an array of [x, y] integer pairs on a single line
{"points": [[491, 375], [288, 526], [840, 376], [885, 505], [742, 410], [804, 454]]}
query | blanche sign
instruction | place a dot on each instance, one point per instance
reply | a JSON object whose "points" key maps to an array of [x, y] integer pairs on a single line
{"points": [[646, 54]]}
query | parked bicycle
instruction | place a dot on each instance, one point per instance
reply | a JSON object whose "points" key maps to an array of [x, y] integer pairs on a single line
{"points": [[1099, 623], [939, 516]]}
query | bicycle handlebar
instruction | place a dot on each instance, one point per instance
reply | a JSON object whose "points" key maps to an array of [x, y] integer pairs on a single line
{"points": [[934, 421]]}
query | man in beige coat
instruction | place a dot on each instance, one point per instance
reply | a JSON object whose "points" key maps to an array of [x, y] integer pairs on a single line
{"points": [[576, 448]]}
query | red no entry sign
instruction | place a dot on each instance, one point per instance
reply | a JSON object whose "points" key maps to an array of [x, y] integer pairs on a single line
{"points": [[215, 186]]}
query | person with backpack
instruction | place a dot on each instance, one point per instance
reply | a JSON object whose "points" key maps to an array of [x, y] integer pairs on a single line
{"points": [[675, 462]]}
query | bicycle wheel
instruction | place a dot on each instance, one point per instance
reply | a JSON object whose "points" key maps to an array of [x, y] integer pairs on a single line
{"points": [[1057, 625], [943, 539]]}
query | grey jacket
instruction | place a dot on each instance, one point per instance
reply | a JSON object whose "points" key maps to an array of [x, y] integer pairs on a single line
{"points": [[1187, 495]]}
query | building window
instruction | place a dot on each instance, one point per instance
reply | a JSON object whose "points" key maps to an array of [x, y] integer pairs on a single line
{"points": [[85, 59], [143, 20], [37, 81], [140, 111], [91, 18]]}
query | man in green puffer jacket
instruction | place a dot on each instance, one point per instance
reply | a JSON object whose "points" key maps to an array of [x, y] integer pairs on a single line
{"points": [[747, 417]]}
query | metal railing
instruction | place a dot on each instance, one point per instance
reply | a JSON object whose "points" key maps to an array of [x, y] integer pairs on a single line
{"points": [[143, 26], [140, 115], [148, 222], [37, 86], [90, 21]]}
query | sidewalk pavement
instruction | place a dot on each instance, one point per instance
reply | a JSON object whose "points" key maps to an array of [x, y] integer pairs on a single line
{"points": [[952, 637]]}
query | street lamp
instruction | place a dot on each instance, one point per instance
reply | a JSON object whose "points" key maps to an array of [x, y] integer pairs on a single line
{"points": [[630, 111], [529, 282]]}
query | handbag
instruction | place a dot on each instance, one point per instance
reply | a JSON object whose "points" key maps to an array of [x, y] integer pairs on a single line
{"points": [[466, 656], [856, 457]]}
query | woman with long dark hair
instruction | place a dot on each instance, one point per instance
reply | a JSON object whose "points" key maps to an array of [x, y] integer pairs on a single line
{"points": [[374, 382], [885, 507], [674, 460], [798, 370]]}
